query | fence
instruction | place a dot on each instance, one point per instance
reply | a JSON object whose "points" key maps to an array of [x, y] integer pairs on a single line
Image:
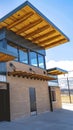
{"points": [[66, 85]]}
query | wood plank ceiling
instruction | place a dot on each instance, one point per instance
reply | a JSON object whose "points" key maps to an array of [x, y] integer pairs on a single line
{"points": [[5, 57], [29, 24], [56, 72]]}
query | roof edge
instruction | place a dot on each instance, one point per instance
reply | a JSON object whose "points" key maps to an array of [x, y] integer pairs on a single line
{"points": [[56, 68], [34, 8]]}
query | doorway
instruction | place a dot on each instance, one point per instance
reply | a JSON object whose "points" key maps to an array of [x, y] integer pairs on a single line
{"points": [[4, 102], [32, 94]]}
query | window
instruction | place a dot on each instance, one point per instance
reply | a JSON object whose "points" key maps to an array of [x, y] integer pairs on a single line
{"points": [[1, 44], [33, 58], [53, 94], [41, 61], [2, 72], [27, 56], [12, 48], [23, 56]]}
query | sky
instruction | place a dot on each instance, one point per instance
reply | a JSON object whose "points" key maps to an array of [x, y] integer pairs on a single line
{"points": [[60, 12]]}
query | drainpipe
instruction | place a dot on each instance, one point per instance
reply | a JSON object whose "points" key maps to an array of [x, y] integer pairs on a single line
{"points": [[69, 90], [50, 98]]}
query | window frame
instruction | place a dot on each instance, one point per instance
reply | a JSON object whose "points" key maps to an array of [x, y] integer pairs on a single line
{"points": [[22, 49], [30, 58], [19, 47], [43, 61]]}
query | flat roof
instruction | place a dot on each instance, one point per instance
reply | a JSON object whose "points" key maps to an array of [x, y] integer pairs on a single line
{"points": [[30, 23], [56, 71]]}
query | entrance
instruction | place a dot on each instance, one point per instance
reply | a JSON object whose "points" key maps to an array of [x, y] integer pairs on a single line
{"points": [[4, 102], [32, 94]]}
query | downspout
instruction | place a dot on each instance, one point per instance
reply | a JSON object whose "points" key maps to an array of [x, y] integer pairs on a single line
{"points": [[50, 98]]}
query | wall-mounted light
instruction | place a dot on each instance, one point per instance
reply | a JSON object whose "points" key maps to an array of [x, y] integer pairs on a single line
{"points": [[12, 66], [31, 70], [44, 72]]}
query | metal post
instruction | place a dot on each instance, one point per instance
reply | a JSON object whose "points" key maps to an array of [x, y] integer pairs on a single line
{"points": [[69, 90]]}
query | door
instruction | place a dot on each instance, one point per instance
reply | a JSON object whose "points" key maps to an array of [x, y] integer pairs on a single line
{"points": [[1, 106], [4, 105], [32, 94]]}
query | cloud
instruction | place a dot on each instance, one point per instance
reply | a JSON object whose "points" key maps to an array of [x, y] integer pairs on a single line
{"points": [[66, 65]]}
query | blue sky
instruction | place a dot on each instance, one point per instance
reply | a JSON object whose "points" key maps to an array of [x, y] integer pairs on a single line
{"points": [[60, 12]]}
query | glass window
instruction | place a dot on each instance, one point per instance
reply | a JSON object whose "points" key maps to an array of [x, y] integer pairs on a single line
{"points": [[23, 56], [12, 48], [41, 61], [1, 44], [2, 72], [33, 58]]}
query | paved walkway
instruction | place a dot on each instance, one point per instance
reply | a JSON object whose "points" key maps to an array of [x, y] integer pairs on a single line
{"points": [[67, 106], [57, 120]]}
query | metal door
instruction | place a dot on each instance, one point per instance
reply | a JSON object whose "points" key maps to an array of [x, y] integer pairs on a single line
{"points": [[32, 94]]}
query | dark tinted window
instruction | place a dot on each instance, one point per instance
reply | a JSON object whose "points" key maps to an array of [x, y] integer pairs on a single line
{"points": [[12, 48]]}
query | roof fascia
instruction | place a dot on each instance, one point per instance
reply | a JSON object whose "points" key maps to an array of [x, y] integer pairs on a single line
{"points": [[36, 10]]}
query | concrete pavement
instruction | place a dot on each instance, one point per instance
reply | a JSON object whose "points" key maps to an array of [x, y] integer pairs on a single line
{"points": [[67, 106], [57, 120]]}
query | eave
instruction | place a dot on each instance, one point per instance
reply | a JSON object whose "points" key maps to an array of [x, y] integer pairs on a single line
{"points": [[32, 25], [56, 71]]}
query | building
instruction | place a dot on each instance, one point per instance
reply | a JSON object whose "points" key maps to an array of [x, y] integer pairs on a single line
{"points": [[25, 34], [66, 85], [55, 88]]}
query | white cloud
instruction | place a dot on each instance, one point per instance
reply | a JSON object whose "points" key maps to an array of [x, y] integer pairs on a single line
{"points": [[66, 65]]}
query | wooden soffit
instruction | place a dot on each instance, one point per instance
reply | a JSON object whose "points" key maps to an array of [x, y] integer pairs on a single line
{"points": [[6, 55], [31, 24], [56, 71], [30, 75]]}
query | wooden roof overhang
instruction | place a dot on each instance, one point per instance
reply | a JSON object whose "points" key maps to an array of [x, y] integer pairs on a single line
{"points": [[30, 75], [32, 25], [56, 71], [6, 55]]}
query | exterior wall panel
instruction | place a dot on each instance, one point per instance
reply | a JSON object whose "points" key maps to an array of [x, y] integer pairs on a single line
{"points": [[19, 96], [19, 93], [57, 104]]}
